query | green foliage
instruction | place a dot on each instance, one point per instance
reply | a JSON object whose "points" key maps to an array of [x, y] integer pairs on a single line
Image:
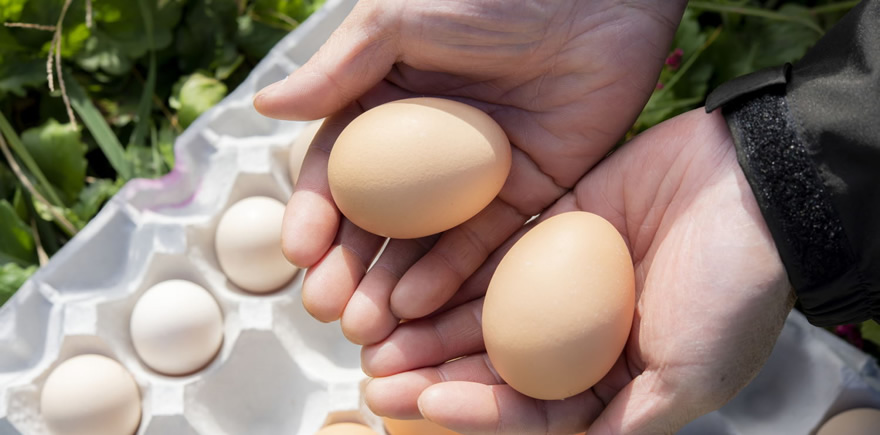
{"points": [[197, 94], [12, 276], [60, 154], [871, 331], [721, 40], [16, 242], [141, 73]]}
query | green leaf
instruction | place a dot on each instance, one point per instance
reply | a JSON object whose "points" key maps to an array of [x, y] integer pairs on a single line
{"points": [[60, 154], [786, 41], [12, 277], [104, 136], [8, 182], [871, 331], [256, 38], [198, 94], [19, 73], [93, 197], [146, 101], [20, 152], [10, 10], [206, 39], [16, 242], [165, 139]]}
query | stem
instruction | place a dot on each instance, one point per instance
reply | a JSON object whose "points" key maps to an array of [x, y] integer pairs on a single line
{"points": [[677, 104], [62, 221], [41, 252], [833, 7], [31, 26], [755, 12], [58, 66], [690, 62]]}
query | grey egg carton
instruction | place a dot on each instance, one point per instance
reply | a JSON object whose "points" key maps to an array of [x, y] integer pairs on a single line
{"points": [[279, 371]]}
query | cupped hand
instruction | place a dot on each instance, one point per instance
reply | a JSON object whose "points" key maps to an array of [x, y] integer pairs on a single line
{"points": [[564, 78], [712, 296]]}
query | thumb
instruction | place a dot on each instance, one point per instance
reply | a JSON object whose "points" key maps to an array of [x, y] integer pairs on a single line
{"points": [[356, 56], [647, 406]]}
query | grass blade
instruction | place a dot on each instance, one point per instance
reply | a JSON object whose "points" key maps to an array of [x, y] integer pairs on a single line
{"points": [[99, 129], [22, 153], [145, 105]]}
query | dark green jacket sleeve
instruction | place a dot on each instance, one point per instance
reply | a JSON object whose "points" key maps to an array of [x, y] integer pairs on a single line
{"points": [[808, 141]]}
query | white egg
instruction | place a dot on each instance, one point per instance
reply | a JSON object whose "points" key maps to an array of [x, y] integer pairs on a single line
{"points": [[176, 327], [248, 245], [90, 395], [299, 147]]}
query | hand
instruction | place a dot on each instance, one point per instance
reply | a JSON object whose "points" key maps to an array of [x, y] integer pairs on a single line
{"points": [[712, 296], [564, 78]]}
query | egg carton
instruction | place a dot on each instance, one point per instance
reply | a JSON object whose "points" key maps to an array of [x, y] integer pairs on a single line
{"points": [[279, 371]]}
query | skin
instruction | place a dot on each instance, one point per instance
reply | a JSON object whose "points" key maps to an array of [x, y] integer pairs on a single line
{"points": [[712, 297], [564, 78]]}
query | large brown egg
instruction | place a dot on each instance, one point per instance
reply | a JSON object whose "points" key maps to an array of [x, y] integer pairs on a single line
{"points": [[416, 167], [414, 427], [861, 421], [346, 429], [559, 306]]}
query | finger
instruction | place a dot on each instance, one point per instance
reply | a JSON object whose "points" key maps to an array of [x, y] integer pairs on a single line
{"points": [[397, 396], [367, 318], [328, 285], [355, 57], [645, 406], [429, 283], [311, 217], [470, 407], [427, 342]]}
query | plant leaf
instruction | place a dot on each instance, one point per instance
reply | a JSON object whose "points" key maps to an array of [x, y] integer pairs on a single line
{"points": [[93, 197], [12, 277], [103, 134], [60, 154], [871, 331], [16, 242], [198, 94]]}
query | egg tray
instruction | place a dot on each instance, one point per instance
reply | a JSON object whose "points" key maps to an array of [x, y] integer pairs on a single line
{"points": [[279, 371]]}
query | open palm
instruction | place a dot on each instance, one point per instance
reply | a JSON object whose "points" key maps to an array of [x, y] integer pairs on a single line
{"points": [[564, 78], [712, 297]]}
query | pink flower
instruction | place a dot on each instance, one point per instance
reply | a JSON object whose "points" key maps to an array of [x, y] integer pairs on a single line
{"points": [[850, 333], [673, 61]]}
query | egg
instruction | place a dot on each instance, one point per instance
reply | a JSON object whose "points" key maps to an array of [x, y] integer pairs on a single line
{"points": [[415, 167], [860, 421], [248, 245], [176, 327], [299, 147], [346, 429], [559, 306], [90, 395], [414, 427]]}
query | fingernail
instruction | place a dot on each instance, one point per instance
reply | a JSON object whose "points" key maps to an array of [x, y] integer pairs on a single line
{"points": [[270, 89]]}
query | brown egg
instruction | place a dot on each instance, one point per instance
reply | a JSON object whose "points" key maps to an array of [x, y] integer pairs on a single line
{"points": [[559, 306], [346, 429], [861, 421], [414, 427], [416, 167]]}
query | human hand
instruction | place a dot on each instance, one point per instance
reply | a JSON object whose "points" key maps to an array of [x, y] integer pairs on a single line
{"points": [[712, 296], [564, 78]]}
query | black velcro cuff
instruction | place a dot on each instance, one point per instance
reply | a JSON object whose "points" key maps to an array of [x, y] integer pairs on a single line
{"points": [[793, 199]]}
